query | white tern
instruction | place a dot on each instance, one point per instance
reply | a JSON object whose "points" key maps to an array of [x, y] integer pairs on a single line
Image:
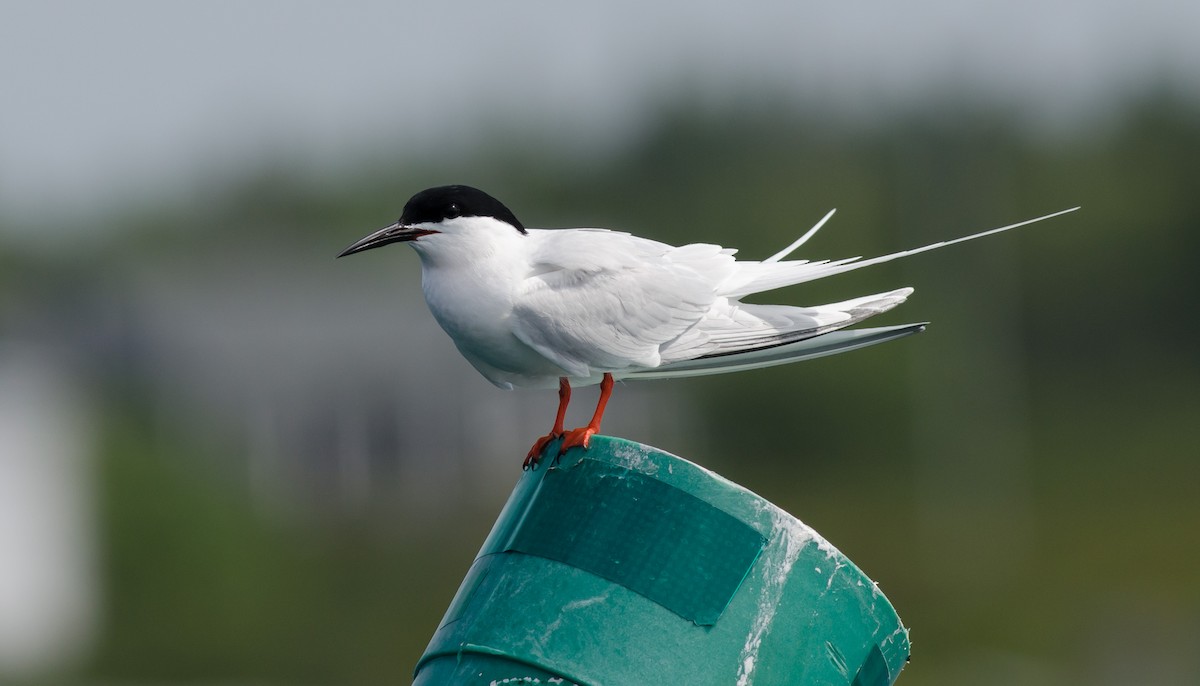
{"points": [[538, 308]]}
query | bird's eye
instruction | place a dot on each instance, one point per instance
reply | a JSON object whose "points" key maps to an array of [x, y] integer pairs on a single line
{"points": [[453, 210]]}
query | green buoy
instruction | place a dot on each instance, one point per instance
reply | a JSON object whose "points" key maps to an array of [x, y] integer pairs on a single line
{"points": [[623, 565]]}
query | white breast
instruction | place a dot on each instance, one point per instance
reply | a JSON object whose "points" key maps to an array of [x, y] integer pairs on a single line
{"points": [[472, 299]]}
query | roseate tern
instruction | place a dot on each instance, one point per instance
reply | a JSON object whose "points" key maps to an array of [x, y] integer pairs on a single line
{"points": [[536, 308]]}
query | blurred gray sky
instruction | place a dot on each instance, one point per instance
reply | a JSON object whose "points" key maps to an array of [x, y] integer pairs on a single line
{"points": [[106, 101]]}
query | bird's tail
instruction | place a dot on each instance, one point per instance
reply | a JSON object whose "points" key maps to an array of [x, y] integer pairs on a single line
{"points": [[756, 336], [774, 272], [751, 336], [805, 349]]}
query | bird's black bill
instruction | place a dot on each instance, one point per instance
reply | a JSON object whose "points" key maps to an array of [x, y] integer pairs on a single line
{"points": [[396, 233]]}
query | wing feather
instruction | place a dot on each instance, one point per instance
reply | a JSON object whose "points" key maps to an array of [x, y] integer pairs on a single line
{"points": [[599, 299]]}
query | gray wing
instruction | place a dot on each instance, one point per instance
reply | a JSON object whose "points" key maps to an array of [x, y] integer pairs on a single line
{"points": [[597, 300]]}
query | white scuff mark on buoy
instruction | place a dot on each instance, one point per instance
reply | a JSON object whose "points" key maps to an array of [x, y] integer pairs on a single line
{"points": [[824, 546], [636, 456], [788, 537], [550, 629], [899, 632], [570, 607], [586, 602], [529, 680], [838, 566]]}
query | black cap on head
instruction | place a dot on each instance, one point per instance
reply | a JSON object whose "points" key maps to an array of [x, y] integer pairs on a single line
{"points": [[448, 202]]}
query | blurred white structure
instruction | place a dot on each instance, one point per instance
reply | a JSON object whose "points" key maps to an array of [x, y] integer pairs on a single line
{"points": [[48, 576]]}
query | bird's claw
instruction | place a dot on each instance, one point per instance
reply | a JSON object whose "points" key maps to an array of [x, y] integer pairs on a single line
{"points": [[535, 453], [575, 438]]}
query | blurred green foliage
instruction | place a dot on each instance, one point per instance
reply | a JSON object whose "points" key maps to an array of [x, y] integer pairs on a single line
{"points": [[1085, 324], [203, 586]]}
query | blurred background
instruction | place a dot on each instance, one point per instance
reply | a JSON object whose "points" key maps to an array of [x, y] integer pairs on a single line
{"points": [[226, 457]]}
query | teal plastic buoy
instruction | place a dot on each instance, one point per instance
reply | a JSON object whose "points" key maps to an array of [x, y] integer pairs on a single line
{"points": [[626, 565]]}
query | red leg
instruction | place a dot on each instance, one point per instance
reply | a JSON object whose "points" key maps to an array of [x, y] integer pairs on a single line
{"points": [[581, 436], [564, 398]]}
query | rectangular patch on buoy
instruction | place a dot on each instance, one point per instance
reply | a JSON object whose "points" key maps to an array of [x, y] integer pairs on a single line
{"points": [[646, 535]]}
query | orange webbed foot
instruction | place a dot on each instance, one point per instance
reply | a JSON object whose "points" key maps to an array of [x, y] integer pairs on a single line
{"points": [[576, 438]]}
